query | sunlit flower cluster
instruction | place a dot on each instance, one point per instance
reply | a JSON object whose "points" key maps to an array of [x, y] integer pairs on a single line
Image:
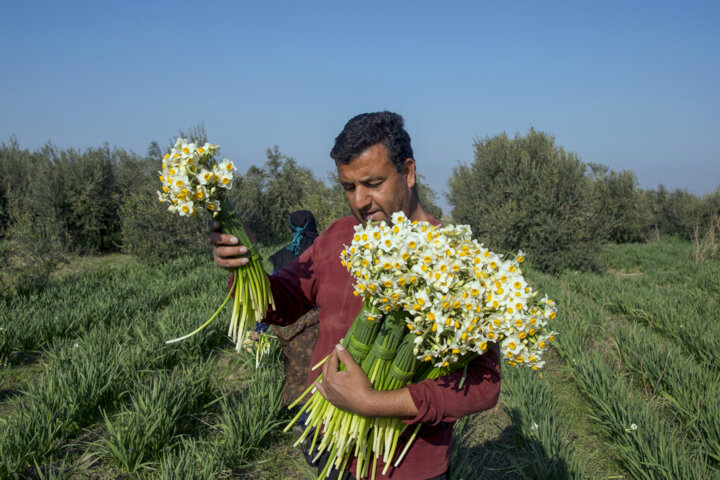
{"points": [[461, 296], [191, 177]]}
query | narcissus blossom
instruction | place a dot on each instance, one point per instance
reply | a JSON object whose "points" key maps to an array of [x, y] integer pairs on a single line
{"points": [[460, 295]]}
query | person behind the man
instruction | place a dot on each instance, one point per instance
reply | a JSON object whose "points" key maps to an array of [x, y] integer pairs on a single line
{"points": [[297, 340], [376, 167]]}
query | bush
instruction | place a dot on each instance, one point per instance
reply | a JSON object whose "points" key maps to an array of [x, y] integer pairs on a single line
{"points": [[707, 243], [427, 197], [266, 196], [150, 231], [622, 209], [526, 193], [682, 213], [31, 250]]}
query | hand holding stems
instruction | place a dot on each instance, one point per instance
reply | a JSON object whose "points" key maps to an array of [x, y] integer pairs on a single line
{"points": [[350, 390], [226, 251], [251, 288]]}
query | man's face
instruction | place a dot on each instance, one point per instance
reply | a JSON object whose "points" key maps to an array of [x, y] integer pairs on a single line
{"points": [[373, 186]]}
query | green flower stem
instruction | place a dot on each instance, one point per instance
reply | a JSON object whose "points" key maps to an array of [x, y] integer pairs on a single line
{"points": [[407, 446], [207, 322], [231, 224], [252, 288], [384, 349]]}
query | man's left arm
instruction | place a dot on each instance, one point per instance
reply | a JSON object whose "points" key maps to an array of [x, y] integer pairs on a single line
{"points": [[429, 401], [441, 399]]}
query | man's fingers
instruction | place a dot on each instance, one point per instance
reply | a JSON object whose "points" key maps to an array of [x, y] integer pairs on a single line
{"points": [[346, 358], [218, 238], [232, 262], [331, 365], [229, 252]]}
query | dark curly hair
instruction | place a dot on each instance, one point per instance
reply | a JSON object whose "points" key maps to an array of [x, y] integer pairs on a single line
{"points": [[368, 129]]}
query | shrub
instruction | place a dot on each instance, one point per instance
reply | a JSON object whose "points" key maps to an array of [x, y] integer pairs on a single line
{"points": [[150, 232], [266, 196], [31, 250], [526, 193], [622, 209], [427, 197], [678, 212], [707, 244]]}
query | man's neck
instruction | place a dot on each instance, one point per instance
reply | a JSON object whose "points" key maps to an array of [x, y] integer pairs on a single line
{"points": [[418, 213]]}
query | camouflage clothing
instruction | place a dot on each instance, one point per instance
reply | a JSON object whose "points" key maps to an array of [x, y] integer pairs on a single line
{"points": [[298, 341]]}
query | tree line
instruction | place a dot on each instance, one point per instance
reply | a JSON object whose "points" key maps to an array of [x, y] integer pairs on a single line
{"points": [[528, 193], [55, 202], [518, 193]]}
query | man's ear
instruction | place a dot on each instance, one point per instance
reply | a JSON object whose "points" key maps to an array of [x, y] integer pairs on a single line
{"points": [[409, 172]]}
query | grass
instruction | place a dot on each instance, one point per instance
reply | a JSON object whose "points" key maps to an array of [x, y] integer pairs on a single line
{"points": [[601, 458], [85, 362]]}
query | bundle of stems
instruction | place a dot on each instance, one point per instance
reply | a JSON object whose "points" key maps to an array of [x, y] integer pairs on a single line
{"points": [[390, 363], [394, 427], [357, 342], [384, 350], [251, 284], [457, 298], [400, 373], [250, 287], [191, 178]]}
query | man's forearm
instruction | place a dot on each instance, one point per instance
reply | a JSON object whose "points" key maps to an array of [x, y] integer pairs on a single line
{"points": [[390, 403]]}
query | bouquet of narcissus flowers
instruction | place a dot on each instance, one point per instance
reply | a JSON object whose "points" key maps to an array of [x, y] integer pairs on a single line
{"points": [[434, 299], [458, 295], [191, 178]]}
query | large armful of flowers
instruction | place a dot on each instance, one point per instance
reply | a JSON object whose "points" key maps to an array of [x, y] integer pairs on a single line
{"points": [[434, 299], [193, 178]]}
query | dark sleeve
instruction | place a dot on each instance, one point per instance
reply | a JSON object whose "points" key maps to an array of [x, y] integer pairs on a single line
{"points": [[293, 289], [440, 400], [281, 258]]}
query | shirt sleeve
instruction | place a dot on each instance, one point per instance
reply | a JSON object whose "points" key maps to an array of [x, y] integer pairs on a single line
{"points": [[440, 400], [294, 289]]}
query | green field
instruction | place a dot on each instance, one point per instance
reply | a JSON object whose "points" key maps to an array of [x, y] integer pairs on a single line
{"points": [[88, 388]]}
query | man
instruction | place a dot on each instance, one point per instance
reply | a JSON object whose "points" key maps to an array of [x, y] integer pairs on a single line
{"points": [[376, 168]]}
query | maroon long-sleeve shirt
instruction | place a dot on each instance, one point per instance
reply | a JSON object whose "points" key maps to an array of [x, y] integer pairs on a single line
{"points": [[318, 278]]}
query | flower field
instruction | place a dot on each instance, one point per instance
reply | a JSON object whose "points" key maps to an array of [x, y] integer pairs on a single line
{"points": [[89, 389]]}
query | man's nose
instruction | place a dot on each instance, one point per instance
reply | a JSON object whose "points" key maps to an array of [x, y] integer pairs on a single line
{"points": [[361, 197]]}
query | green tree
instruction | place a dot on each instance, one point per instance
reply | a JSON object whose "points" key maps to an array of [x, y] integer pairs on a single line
{"points": [[427, 197], [620, 205], [327, 203], [527, 193], [196, 134], [148, 229], [266, 196], [15, 167], [31, 242], [87, 190], [677, 212], [150, 232]]}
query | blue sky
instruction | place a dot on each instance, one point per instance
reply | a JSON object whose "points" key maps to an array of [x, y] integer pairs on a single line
{"points": [[632, 85]]}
